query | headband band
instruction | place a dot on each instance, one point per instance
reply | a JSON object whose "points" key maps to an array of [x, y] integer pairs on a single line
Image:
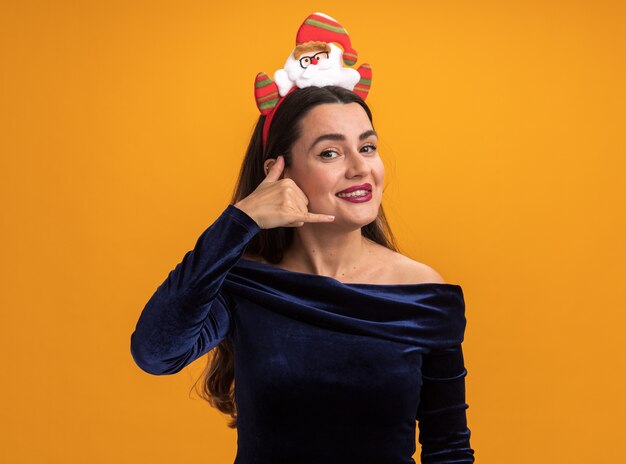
{"points": [[315, 61]]}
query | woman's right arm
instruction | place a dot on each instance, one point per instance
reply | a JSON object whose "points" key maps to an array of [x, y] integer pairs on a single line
{"points": [[188, 316]]}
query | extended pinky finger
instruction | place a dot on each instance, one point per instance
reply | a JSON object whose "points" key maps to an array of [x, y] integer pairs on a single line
{"points": [[314, 217]]}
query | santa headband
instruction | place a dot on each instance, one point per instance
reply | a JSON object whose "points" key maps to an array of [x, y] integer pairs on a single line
{"points": [[315, 61]]}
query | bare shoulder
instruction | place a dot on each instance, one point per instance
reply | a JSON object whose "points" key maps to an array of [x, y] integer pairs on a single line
{"points": [[408, 271], [421, 273]]}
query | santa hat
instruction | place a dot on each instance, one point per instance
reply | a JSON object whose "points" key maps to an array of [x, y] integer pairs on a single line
{"points": [[322, 28]]}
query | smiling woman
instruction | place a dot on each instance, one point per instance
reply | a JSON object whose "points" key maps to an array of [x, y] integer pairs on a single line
{"points": [[328, 146], [334, 145], [328, 344], [337, 153]]}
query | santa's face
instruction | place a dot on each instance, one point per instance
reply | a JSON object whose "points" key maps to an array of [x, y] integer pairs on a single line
{"points": [[313, 64], [337, 149]]}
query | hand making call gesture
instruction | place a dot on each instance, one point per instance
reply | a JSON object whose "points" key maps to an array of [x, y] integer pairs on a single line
{"points": [[279, 202]]}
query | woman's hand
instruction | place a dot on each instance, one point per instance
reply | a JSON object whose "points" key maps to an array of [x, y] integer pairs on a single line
{"points": [[279, 202]]}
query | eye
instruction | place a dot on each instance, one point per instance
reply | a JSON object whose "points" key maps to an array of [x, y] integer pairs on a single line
{"points": [[370, 148], [325, 152]]}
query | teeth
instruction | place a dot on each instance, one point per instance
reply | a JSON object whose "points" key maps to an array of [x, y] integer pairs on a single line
{"points": [[356, 193]]}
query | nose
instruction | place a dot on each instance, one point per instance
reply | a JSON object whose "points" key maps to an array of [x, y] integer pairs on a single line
{"points": [[358, 166], [314, 60]]}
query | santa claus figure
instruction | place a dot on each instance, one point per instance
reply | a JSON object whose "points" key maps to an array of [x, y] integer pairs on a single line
{"points": [[315, 61]]}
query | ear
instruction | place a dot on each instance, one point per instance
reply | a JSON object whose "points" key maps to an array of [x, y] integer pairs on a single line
{"points": [[267, 166]]}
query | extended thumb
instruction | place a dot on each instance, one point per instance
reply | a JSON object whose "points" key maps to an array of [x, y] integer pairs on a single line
{"points": [[271, 171]]}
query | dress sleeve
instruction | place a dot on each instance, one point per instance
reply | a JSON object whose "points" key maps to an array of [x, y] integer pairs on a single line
{"points": [[443, 431], [188, 315]]}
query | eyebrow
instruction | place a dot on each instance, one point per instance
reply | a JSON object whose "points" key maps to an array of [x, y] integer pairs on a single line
{"points": [[364, 135]]}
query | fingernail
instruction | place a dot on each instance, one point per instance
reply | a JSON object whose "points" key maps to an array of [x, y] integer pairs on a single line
{"points": [[330, 217]]}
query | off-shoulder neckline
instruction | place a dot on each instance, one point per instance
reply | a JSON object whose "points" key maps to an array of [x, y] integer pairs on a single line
{"points": [[442, 285]]}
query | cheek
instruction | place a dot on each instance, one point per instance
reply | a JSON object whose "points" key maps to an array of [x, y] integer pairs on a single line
{"points": [[379, 177], [379, 172], [323, 185], [312, 182]]}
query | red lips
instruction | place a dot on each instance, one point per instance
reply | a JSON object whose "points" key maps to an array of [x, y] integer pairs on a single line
{"points": [[357, 187]]}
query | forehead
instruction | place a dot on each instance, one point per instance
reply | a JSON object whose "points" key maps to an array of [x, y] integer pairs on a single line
{"points": [[346, 118]]}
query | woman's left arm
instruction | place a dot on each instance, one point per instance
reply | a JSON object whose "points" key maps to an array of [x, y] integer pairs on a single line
{"points": [[443, 431]]}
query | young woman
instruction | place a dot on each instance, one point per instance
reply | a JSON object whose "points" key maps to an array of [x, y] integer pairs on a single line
{"points": [[328, 343]]}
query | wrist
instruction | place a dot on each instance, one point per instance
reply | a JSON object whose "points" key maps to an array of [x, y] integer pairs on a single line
{"points": [[242, 208]]}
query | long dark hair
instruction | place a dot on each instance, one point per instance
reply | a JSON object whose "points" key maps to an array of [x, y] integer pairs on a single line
{"points": [[271, 244]]}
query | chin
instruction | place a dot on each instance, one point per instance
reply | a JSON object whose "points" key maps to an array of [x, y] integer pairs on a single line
{"points": [[363, 218]]}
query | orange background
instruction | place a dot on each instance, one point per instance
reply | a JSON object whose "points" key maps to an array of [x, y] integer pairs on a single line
{"points": [[123, 126]]}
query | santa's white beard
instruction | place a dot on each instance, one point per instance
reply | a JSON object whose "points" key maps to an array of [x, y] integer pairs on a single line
{"points": [[319, 77]]}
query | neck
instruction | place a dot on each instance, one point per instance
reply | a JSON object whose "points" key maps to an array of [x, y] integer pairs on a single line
{"points": [[323, 249]]}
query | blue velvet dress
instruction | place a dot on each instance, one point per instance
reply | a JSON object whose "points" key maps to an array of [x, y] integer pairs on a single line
{"points": [[325, 372]]}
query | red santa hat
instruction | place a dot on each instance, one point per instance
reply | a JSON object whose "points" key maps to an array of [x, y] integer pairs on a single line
{"points": [[322, 28]]}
